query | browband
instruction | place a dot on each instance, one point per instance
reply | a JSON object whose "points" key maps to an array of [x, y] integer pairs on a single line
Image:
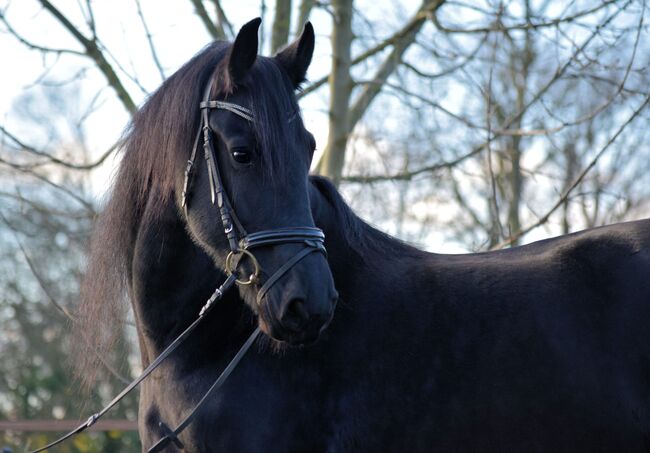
{"points": [[245, 113]]}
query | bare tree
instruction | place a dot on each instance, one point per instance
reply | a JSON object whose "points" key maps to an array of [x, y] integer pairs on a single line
{"points": [[281, 25], [518, 85]]}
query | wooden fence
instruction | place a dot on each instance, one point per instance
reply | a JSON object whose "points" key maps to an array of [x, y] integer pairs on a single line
{"points": [[66, 425]]}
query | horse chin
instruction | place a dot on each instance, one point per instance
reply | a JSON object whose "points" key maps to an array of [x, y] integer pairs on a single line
{"points": [[303, 339], [283, 338]]}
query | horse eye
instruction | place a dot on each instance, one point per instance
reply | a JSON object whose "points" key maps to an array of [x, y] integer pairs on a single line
{"points": [[241, 156]]}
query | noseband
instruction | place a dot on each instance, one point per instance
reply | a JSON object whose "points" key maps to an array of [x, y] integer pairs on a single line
{"points": [[241, 245]]}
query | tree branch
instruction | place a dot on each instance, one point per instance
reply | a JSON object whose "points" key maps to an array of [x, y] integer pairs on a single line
{"points": [[55, 160], [500, 27], [561, 70], [152, 48], [391, 62], [214, 31], [409, 175], [567, 192], [391, 40], [222, 21], [93, 52]]}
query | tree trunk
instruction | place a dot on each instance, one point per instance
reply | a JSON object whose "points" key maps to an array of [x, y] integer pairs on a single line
{"points": [[303, 14], [344, 118], [340, 81], [281, 24], [519, 78]]}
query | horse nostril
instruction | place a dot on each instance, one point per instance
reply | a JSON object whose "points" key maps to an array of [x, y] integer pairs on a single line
{"points": [[295, 315]]}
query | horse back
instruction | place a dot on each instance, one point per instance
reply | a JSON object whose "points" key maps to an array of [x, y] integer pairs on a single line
{"points": [[544, 346]]}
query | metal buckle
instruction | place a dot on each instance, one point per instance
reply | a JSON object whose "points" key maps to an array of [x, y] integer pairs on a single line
{"points": [[230, 269]]}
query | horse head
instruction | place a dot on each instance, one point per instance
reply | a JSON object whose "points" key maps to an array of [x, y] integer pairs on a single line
{"points": [[247, 201]]}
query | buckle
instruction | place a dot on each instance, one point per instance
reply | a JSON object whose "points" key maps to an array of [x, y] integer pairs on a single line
{"points": [[231, 268]]}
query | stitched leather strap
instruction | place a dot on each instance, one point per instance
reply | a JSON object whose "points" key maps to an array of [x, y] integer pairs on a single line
{"points": [[282, 236]]}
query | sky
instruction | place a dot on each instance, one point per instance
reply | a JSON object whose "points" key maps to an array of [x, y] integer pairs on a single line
{"points": [[177, 34]]}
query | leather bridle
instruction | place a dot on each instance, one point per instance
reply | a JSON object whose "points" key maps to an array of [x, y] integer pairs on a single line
{"points": [[240, 242], [241, 245]]}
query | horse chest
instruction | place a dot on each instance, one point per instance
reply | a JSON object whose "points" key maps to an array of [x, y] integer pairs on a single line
{"points": [[261, 407]]}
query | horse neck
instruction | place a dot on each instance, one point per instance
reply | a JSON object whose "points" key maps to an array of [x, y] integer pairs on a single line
{"points": [[352, 256], [360, 256], [171, 280]]}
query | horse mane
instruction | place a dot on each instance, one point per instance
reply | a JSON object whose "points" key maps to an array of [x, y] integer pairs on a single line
{"points": [[155, 148], [368, 242]]}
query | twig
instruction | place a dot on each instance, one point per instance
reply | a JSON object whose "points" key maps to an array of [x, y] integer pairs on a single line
{"points": [[567, 192], [152, 47], [494, 204], [33, 46], [214, 31], [500, 27], [55, 160]]}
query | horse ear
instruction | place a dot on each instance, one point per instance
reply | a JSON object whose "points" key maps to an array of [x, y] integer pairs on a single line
{"points": [[295, 58], [244, 51]]}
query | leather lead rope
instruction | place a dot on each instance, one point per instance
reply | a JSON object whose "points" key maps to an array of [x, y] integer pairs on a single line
{"points": [[216, 296], [313, 238], [172, 435]]}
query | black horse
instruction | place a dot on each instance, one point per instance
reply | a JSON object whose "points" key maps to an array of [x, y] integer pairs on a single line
{"points": [[544, 347]]}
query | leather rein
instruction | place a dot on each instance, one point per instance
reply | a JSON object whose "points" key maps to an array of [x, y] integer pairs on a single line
{"points": [[241, 245]]}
